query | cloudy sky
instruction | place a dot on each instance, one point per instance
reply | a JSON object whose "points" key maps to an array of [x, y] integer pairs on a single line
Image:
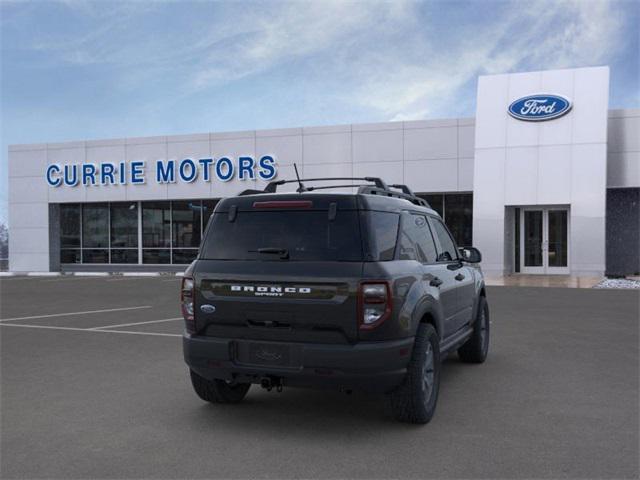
{"points": [[74, 70]]}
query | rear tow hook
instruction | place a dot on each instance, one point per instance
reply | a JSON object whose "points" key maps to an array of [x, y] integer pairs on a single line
{"points": [[268, 383]]}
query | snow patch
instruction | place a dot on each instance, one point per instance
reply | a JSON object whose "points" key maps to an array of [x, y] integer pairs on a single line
{"points": [[624, 283]]}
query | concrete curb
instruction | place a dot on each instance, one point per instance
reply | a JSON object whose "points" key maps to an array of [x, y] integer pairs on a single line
{"points": [[91, 274], [140, 274]]}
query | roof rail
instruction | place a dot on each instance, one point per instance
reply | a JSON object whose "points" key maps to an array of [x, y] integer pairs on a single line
{"points": [[370, 190], [273, 186], [377, 186]]}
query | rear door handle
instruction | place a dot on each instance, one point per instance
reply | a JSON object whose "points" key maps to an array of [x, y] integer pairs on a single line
{"points": [[459, 277], [435, 282]]}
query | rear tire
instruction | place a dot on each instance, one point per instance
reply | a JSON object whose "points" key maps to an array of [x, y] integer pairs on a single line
{"points": [[218, 391], [415, 400], [475, 349]]}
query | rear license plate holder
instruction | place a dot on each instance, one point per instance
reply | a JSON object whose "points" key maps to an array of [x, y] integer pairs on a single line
{"points": [[263, 353]]}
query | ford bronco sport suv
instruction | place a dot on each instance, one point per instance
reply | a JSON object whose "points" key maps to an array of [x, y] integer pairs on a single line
{"points": [[361, 290]]}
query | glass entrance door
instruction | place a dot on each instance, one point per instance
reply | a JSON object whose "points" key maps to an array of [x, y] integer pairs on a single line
{"points": [[544, 240]]}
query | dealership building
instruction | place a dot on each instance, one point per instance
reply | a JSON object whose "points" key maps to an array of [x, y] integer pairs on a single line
{"points": [[544, 180]]}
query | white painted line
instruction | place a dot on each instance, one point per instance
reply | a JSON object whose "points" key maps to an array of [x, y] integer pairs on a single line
{"points": [[119, 278], [136, 323], [91, 274], [48, 327], [7, 274], [71, 278], [43, 274], [140, 274], [75, 313]]}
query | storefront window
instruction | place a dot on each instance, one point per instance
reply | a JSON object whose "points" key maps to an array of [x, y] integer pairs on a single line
{"points": [[95, 225], [436, 201], [186, 223], [70, 233], [124, 232], [456, 209], [184, 255], [156, 224], [156, 255], [186, 227], [70, 226], [108, 232], [459, 217], [124, 225], [70, 255], [93, 255], [127, 255]]}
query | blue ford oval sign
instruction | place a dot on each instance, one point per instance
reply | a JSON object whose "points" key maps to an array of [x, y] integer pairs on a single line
{"points": [[536, 108]]}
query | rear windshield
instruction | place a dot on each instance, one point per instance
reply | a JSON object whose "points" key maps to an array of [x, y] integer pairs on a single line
{"points": [[284, 235]]}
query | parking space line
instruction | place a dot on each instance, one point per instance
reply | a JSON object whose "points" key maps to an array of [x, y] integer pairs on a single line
{"points": [[126, 279], [22, 278], [74, 329], [136, 323], [75, 313], [68, 278]]}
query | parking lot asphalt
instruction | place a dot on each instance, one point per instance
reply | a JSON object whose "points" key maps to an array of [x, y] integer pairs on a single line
{"points": [[85, 394]]}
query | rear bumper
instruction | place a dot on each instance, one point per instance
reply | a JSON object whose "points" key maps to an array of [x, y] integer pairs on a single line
{"points": [[367, 366]]}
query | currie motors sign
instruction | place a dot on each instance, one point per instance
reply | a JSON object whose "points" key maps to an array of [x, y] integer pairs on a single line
{"points": [[187, 170], [540, 107]]}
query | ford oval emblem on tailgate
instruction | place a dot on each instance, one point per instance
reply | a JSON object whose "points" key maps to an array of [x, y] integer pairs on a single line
{"points": [[206, 308]]}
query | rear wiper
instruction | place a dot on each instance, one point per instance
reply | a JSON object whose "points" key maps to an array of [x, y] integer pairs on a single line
{"points": [[283, 252]]}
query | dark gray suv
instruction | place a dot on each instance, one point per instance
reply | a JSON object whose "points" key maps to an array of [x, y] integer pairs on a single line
{"points": [[363, 290]]}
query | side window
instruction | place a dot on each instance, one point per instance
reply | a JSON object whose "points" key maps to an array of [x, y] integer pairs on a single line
{"points": [[384, 226], [448, 251], [416, 242]]}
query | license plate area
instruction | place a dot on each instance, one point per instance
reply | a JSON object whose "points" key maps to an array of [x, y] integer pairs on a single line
{"points": [[267, 354]]}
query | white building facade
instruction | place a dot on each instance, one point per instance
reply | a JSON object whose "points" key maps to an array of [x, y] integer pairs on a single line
{"points": [[545, 179]]}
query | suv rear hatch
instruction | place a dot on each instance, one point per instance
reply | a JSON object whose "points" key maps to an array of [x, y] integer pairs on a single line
{"points": [[281, 267]]}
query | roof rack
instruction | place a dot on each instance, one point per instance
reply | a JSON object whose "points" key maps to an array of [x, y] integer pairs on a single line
{"points": [[272, 186], [376, 186]]}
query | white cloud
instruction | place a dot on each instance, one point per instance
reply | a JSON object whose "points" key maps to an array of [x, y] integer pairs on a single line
{"points": [[293, 31], [526, 36], [389, 57]]}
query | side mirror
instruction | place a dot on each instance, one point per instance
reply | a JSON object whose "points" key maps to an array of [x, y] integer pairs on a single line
{"points": [[470, 255]]}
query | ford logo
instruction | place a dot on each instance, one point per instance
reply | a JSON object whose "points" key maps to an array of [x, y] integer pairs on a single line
{"points": [[536, 108], [206, 308]]}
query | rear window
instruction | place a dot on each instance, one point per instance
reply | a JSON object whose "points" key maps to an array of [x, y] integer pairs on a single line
{"points": [[303, 235]]}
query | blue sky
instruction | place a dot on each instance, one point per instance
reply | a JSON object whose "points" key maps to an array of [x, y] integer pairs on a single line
{"points": [[74, 70]]}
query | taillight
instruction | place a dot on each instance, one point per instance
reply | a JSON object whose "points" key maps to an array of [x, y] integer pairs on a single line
{"points": [[374, 304], [186, 303]]}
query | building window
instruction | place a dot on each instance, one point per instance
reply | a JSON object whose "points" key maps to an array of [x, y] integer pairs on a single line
{"points": [[95, 233], [70, 238], [458, 215], [186, 230], [108, 232], [124, 232], [456, 209], [156, 232], [436, 200]]}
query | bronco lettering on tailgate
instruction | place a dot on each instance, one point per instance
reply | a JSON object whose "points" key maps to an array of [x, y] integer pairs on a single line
{"points": [[269, 291]]}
